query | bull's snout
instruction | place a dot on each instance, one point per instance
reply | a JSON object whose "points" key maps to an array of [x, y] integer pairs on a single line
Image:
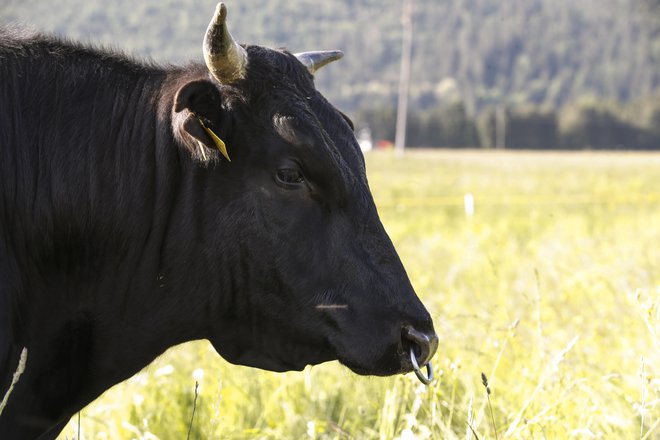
{"points": [[424, 344]]}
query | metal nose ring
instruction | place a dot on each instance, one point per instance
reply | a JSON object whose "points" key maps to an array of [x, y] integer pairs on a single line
{"points": [[425, 379], [427, 345]]}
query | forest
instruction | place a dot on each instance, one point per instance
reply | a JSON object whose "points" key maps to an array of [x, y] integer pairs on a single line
{"points": [[548, 73]]}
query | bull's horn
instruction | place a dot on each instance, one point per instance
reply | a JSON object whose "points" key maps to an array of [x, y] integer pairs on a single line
{"points": [[315, 60], [225, 58]]}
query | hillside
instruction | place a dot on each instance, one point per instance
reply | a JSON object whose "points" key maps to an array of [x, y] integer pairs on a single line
{"points": [[541, 52]]}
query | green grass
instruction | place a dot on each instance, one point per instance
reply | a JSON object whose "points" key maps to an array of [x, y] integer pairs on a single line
{"points": [[552, 290]]}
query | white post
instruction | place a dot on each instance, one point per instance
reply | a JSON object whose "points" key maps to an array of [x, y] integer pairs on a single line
{"points": [[468, 201]]}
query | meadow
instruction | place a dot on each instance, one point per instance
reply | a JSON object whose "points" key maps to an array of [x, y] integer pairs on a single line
{"points": [[551, 288]]}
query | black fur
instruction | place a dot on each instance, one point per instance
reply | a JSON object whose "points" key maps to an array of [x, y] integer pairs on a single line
{"points": [[123, 231]]}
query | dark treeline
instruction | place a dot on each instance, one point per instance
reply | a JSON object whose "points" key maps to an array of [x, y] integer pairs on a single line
{"points": [[483, 71], [546, 53], [583, 125]]}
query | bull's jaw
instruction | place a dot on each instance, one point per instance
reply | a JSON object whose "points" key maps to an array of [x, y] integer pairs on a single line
{"points": [[278, 356]]}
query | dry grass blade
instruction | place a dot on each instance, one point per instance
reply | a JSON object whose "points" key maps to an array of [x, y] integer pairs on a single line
{"points": [[17, 375], [192, 416], [553, 365], [472, 431], [484, 381], [651, 430]]}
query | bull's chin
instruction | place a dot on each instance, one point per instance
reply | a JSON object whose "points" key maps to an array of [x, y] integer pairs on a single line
{"points": [[388, 364], [269, 361], [378, 370]]}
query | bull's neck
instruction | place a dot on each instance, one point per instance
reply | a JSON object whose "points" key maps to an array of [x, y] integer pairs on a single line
{"points": [[87, 236]]}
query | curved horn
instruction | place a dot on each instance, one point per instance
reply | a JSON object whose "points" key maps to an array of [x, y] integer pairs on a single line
{"points": [[315, 60], [225, 58]]}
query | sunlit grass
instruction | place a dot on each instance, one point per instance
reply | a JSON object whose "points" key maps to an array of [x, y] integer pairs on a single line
{"points": [[552, 289]]}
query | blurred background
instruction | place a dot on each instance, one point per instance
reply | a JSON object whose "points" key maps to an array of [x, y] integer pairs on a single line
{"points": [[540, 268], [533, 74]]}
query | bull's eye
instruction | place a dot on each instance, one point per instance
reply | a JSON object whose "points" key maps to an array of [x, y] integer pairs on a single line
{"points": [[289, 178]]}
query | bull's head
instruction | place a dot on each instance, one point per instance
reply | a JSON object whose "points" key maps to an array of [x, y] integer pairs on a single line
{"points": [[299, 270]]}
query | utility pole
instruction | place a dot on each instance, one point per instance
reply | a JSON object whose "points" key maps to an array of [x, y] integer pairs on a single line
{"points": [[404, 77], [500, 127]]}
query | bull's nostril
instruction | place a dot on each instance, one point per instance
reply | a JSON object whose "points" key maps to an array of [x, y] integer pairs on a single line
{"points": [[424, 344]]}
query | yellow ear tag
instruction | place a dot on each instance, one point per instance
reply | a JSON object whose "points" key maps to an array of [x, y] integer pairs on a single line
{"points": [[218, 142]]}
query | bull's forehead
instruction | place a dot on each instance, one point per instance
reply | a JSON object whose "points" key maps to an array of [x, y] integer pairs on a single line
{"points": [[282, 92], [340, 132], [269, 68]]}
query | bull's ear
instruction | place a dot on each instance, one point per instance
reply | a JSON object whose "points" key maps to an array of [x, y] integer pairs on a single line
{"points": [[200, 119]]}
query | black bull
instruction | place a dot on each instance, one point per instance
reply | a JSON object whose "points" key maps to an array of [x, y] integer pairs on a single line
{"points": [[124, 230]]}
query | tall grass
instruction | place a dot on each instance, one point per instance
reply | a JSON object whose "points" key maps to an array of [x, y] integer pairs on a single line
{"points": [[552, 289]]}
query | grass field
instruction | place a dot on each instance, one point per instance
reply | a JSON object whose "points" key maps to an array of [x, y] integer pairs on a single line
{"points": [[551, 288]]}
